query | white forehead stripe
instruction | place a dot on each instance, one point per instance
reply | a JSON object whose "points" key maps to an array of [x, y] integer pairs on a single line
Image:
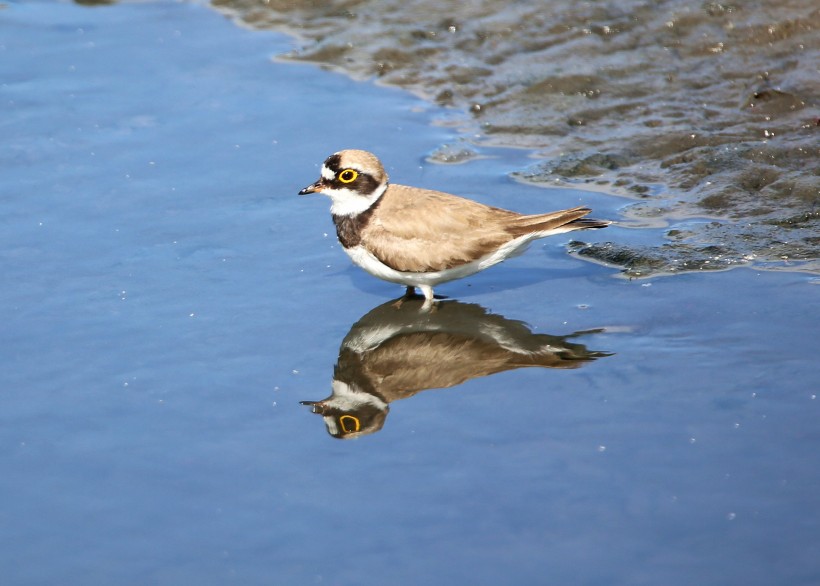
{"points": [[327, 173]]}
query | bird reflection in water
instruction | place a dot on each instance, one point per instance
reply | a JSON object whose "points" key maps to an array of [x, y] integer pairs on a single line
{"points": [[396, 350]]}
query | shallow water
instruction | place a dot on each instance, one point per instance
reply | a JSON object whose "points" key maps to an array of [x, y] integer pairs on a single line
{"points": [[168, 301]]}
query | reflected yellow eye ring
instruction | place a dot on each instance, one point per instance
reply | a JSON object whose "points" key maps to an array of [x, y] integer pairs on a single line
{"points": [[348, 176], [346, 420]]}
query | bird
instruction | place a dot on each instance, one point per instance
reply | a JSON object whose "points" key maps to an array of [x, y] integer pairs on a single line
{"points": [[393, 353], [420, 238]]}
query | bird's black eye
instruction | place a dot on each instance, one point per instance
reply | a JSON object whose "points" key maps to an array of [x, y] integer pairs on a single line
{"points": [[347, 176]]}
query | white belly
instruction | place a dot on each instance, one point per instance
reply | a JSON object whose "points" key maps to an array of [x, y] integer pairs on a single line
{"points": [[375, 267]]}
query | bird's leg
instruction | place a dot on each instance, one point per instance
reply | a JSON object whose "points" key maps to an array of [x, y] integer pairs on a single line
{"points": [[409, 293], [429, 299]]}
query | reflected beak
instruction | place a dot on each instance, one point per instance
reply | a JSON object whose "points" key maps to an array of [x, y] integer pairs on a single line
{"points": [[313, 188], [315, 406]]}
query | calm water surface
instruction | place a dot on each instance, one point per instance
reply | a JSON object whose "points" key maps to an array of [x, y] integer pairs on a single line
{"points": [[167, 301]]}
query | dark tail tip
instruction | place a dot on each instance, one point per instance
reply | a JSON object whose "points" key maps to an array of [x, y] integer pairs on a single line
{"points": [[589, 223]]}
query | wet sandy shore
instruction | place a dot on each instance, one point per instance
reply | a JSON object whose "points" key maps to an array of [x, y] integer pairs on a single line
{"points": [[696, 111]]}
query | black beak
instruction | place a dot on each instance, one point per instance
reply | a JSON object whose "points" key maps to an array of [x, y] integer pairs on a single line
{"points": [[315, 406], [313, 188]]}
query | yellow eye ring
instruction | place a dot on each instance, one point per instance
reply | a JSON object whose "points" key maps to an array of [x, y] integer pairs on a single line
{"points": [[348, 176], [351, 421]]}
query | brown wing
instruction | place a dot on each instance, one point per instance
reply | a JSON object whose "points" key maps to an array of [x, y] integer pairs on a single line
{"points": [[419, 230], [410, 363]]}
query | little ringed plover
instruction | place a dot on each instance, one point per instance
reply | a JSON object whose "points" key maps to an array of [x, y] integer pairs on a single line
{"points": [[419, 237]]}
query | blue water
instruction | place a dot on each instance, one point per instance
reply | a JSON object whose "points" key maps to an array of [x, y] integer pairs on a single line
{"points": [[167, 300]]}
